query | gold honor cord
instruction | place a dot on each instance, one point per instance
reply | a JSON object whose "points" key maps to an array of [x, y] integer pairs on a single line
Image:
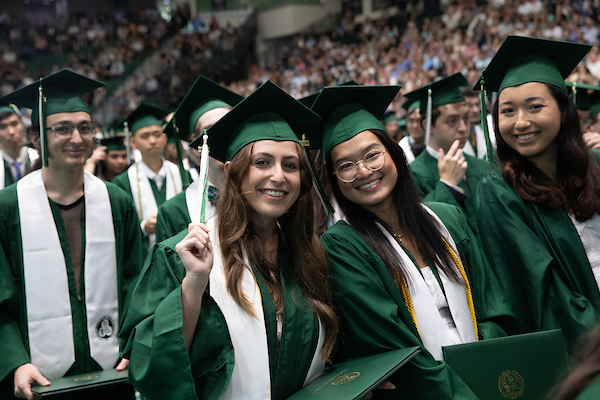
{"points": [[408, 300], [137, 178]]}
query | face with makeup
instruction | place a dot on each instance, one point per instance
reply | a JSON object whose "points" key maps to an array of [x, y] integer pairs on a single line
{"points": [[529, 120]]}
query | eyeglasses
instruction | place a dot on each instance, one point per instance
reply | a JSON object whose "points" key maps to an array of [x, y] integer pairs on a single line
{"points": [[372, 160], [65, 131]]}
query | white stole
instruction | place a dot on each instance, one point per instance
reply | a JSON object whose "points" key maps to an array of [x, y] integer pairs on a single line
{"points": [[49, 317], [143, 197], [2, 171], [251, 378], [432, 327]]}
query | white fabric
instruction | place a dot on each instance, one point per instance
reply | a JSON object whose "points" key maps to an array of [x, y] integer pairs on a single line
{"points": [[138, 178], [23, 155], [193, 171], [481, 146], [441, 303], [589, 233], [191, 198], [430, 323], [250, 379], [2, 171], [404, 143], [50, 325]]}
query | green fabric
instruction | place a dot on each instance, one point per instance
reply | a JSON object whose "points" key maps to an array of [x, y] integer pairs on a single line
{"points": [[9, 179], [444, 91], [14, 345], [345, 122], [173, 217], [160, 195], [539, 260], [146, 115], [374, 317], [389, 117], [113, 144], [580, 93], [264, 126], [160, 365], [208, 105], [147, 120], [5, 109], [426, 177], [522, 59], [591, 392]]}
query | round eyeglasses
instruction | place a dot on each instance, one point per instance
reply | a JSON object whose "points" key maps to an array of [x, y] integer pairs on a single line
{"points": [[373, 160]]}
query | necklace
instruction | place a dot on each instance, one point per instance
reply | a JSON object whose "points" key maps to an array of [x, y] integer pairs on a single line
{"points": [[398, 236]]}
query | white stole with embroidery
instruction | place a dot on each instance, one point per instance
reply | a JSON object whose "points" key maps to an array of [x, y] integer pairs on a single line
{"points": [[432, 328], [143, 197], [251, 377], [49, 317]]}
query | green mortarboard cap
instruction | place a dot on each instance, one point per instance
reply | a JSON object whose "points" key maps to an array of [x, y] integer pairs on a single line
{"points": [[350, 110], [444, 91], [203, 96], [8, 108], [146, 115], [268, 113], [594, 103], [113, 143], [411, 103], [62, 93], [388, 117], [116, 127], [581, 94], [309, 100], [523, 59]]}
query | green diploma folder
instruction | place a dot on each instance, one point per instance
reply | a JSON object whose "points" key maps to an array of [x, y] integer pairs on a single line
{"points": [[109, 383], [522, 366], [353, 379]]}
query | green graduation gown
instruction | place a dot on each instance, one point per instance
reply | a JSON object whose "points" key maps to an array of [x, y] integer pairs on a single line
{"points": [[172, 218], [374, 317], [539, 260], [14, 346], [160, 365], [427, 179]]}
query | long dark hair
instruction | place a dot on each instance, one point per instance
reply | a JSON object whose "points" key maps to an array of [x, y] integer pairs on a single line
{"points": [[415, 221], [305, 251], [577, 184]]}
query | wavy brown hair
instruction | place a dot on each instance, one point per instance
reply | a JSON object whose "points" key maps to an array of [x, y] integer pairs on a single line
{"points": [[297, 231], [577, 184]]}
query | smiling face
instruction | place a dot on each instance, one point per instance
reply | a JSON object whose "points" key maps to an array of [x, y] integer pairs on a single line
{"points": [[452, 124], [272, 185], [72, 152], [371, 189], [529, 120]]}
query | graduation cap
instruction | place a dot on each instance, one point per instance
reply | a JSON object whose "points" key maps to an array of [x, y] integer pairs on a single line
{"points": [[523, 59], [57, 93], [203, 96], [309, 100], [388, 117], [146, 115], [113, 143], [10, 108], [268, 113], [411, 103], [580, 94], [350, 110]]}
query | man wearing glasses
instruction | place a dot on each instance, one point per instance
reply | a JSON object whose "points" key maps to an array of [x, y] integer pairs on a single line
{"points": [[65, 266]]}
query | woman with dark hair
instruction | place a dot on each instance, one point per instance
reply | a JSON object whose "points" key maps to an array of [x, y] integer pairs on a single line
{"points": [[239, 307], [538, 213], [402, 273]]}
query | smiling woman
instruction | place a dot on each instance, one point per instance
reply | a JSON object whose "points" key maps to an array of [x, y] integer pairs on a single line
{"points": [[241, 304], [538, 214], [403, 273]]}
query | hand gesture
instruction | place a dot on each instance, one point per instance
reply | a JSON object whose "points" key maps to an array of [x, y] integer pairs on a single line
{"points": [[25, 376], [453, 166], [99, 154], [150, 225], [592, 140], [195, 252]]}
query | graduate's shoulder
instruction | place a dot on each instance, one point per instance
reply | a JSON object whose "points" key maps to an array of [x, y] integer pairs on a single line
{"points": [[452, 217], [9, 205], [343, 237], [478, 165], [122, 181]]}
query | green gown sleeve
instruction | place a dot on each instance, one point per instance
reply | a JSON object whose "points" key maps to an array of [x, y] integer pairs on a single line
{"points": [[160, 366], [539, 279], [172, 217], [374, 319]]}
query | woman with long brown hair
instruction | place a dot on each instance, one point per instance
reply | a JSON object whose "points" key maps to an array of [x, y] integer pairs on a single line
{"points": [[239, 307], [538, 213]]}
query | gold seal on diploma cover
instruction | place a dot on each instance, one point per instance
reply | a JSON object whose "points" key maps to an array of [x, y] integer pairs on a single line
{"points": [[511, 384], [345, 378], [85, 378]]}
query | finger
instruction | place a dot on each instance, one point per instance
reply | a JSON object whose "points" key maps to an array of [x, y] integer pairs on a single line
{"points": [[440, 156], [452, 150], [386, 385], [36, 376], [124, 363], [200, 225]]}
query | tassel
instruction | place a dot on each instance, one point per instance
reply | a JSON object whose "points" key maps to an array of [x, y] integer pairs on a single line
{"points": [[184, 176], [428, 117], [489, 154], [200, 209], [127, 145], [42, 122]]}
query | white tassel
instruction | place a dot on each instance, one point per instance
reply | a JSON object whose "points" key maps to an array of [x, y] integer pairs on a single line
{"points": [[200, 211], [428, 118], [127, 145]]}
